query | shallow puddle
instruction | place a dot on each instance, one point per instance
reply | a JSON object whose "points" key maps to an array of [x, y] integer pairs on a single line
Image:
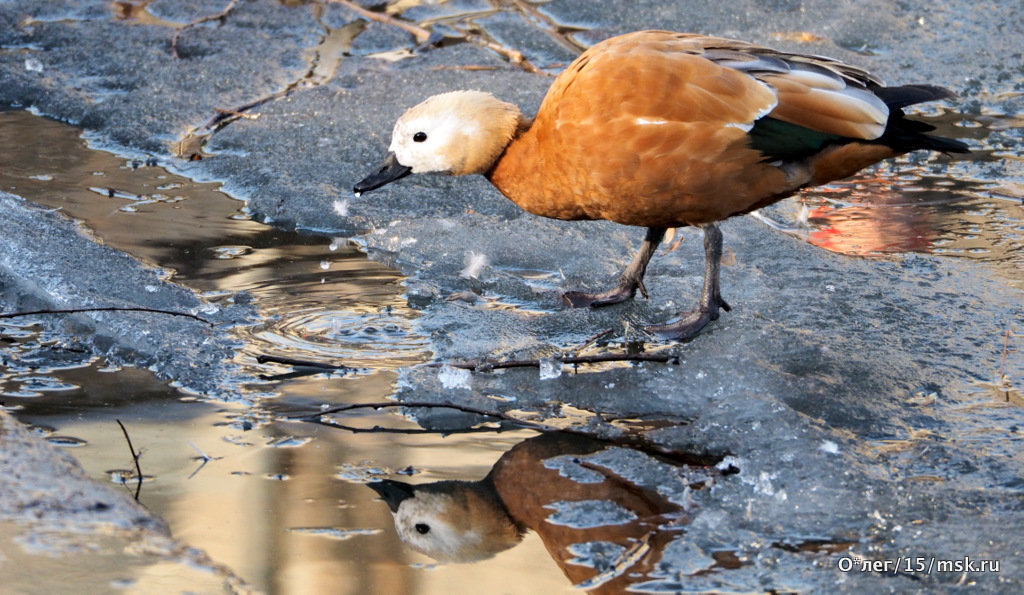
{"points": [[281, 503], [321, 298]]}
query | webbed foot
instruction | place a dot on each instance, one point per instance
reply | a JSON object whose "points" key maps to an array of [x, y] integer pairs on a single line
{"points": [[580, 299], [630, 280], [689, 326]]}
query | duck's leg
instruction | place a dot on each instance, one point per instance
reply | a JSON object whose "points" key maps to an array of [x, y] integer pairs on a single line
{"points": [[710, 300], [630, 280]]}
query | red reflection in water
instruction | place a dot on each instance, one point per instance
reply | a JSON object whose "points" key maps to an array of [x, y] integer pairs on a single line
{"points": [[875, 216], [885, 224]]}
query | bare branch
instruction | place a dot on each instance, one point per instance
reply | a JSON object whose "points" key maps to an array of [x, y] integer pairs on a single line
{"points": [[290, 361], [135, 457], [105, 309], [593, 339], [213, 17], [421, 34], [621, 438], [301, 367], [476, 366]]}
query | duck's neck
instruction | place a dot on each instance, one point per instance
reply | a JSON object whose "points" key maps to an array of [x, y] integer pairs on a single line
{"points": [[526, 174], [513, 172]]}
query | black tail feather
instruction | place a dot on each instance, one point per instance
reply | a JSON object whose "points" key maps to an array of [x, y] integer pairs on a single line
{"points": [[899, 97], [909, 135]]}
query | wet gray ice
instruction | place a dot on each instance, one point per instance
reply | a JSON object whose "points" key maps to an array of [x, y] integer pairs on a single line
{"points": [[854, 395]]}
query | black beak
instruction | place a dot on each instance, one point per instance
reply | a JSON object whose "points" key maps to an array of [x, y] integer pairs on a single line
{"points": [[391, 491], [389, 171]]}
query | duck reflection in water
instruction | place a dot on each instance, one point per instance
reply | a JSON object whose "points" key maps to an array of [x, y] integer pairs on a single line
{"points": [[546, 484]]}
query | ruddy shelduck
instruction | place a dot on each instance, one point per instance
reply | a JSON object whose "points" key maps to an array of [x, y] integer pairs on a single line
{"points": [[663, 130]]}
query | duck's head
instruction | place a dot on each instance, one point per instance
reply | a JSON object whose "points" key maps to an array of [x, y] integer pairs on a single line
{"points": [[450, 521], [457, 133]]}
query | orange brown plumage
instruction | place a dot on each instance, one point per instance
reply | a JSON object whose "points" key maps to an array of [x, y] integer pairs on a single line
{"points": [[661, 130]]}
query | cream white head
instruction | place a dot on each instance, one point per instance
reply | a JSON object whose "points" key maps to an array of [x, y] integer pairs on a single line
{"points": [[461, 132], [458, 133]]}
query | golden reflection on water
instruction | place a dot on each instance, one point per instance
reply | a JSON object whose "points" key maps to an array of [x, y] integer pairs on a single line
{"points": [[320, 298], [282, 516], [282, 504]]}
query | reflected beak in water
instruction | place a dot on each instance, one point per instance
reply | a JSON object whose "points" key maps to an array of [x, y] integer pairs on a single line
{"points": [[392, 492], [389, 171]]}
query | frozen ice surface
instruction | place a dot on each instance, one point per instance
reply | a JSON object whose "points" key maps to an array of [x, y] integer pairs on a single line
{"points": [[47, 262]]}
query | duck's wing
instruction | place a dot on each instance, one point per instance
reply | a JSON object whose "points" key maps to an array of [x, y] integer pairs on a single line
{"points": [[814, 92], [714, 79], [822, 101]]}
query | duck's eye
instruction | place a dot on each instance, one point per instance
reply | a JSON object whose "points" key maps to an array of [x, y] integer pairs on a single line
{"points": [[419, 137], [422, 528]]}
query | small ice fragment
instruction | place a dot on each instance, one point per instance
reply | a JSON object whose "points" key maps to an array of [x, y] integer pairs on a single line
{"points": [[289, 441], [358, 194], [341, 207], [452, 377], [475, 264], [334, 532], [550, 368], [152, 288], [763, 484], [804, 214], [829, 447], [336, 243], [729, 463], [325, 264], [33, 65], [830, 288]]}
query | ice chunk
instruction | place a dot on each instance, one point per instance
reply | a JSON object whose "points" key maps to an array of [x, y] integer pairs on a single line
{"points": [[569, 466], [452, 377], [599, 555], [550, 368], [803, 215], [475, 264]]}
